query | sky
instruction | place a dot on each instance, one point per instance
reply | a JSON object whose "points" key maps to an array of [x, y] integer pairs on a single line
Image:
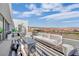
{"points": [[47, 14]]}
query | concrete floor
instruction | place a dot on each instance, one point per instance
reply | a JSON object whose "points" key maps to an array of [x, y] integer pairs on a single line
{"points": [[5, 48]]}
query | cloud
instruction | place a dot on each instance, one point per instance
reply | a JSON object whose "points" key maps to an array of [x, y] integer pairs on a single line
{"points": [[65, 11], [26, 14], [54, 7], [30, 13], [34, 10], [58, 7], [71, 21], [37, 12], [61, 16], [73, 6], [48, 7], [45, 7], [15, 12], [32, 7]]}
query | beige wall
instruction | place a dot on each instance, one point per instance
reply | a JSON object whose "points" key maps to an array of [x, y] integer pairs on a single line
{"points": [[5, 10]]}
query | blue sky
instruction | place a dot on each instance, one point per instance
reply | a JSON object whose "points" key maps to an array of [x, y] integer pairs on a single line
{"points": [[47, 14]]}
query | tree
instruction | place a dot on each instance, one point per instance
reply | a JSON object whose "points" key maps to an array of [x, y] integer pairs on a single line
{"points": [[14, 30]]}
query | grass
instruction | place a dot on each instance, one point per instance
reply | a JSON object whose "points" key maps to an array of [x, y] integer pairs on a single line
{"points": [[71, 35]]}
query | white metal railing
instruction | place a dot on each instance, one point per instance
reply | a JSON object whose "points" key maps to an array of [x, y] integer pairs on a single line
{"points": [[51, 38]]}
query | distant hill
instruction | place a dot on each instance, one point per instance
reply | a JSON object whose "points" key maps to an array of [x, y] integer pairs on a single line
{"points": [[58, 29]]}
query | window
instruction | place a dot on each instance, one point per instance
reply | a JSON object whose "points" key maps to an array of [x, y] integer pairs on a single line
{"points": [[1, 23], [1, 27]]}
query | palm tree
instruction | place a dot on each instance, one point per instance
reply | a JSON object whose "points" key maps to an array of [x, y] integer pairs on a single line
{"points": [[14, 30]]}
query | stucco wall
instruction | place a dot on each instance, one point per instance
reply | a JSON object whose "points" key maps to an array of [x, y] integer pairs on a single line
{"points": [[5, 10]]}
